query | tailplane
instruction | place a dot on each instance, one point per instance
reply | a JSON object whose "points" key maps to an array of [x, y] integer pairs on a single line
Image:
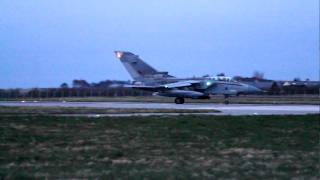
{"points": [[137, 68]]}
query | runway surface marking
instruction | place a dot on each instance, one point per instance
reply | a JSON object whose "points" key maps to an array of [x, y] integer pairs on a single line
{"points": [[232, 109]]}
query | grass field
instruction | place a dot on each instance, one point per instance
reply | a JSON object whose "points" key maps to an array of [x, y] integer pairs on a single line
{"points": [[181, 147], [248, 99], [41, 110]]}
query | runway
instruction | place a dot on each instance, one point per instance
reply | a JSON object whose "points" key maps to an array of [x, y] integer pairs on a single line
{"points": [[231, 109]]}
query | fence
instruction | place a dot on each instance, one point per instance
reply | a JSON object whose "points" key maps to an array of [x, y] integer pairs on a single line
{"points": [[71, 92], [107, 92]]}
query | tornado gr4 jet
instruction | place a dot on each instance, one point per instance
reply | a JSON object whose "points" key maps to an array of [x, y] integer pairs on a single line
{"points": [[162, 84]]}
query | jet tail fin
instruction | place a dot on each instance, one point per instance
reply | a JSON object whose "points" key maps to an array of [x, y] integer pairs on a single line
{"points": [[137, 68]]}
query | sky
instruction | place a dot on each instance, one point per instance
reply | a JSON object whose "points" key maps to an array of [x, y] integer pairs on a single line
{"points": [[46, 43]]}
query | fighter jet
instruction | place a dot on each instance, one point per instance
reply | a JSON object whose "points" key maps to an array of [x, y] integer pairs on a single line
{"points": [[162, 84]]}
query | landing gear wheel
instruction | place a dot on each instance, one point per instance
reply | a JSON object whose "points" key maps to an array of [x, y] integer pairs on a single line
{"points": [[226, 101], [179, 100]]}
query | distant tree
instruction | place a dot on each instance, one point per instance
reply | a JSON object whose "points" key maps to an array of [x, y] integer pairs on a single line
{"points": [[80, 83], [258, 75], [109, 83], [64, 85], [237, 78], [221, 74], [297, 79], [103, 84], [93, 84]]}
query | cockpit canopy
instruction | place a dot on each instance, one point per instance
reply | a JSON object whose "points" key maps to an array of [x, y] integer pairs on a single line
{"points": [[221, 78]]}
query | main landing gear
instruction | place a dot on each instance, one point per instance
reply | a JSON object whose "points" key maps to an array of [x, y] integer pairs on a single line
{"points": [[179, 100], [226, 99]]}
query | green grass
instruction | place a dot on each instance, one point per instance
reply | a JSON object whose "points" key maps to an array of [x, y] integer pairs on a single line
{"points": [[41, 110], [182, 147]]}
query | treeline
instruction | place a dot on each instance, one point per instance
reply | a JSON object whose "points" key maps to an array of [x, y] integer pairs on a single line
{"points": [[114, 88], [71, 92], [80, 83], [113, 92], [79, 88]]}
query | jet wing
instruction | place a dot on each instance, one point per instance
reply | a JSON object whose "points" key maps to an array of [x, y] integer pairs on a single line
{"points": [[168, 86], [147, 88], [180, 84]]}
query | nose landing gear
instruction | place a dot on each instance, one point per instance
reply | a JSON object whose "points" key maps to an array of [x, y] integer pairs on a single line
{"points": [[179, 100]]}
